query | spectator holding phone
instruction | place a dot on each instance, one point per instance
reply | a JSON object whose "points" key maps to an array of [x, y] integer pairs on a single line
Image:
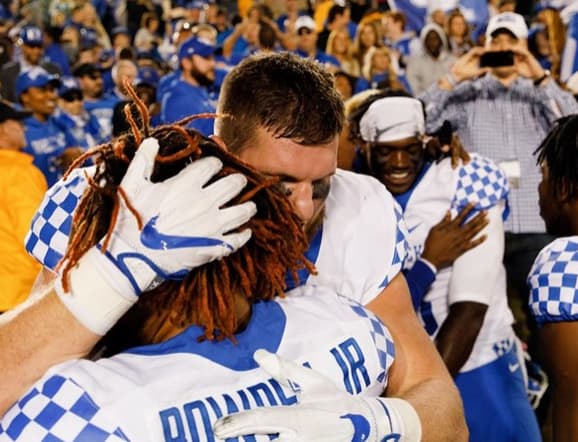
{"points": [[503, 110]]}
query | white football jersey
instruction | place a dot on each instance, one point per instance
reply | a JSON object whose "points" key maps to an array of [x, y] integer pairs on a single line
{"points": [[440, 189], [176, 390], [358, 250], [553, 282]]}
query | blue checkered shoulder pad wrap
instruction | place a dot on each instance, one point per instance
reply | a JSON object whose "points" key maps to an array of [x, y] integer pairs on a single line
{"points": [[48, 236], [553, 282], [381, 338], [482, 183], [403, 254], [58, 409]]}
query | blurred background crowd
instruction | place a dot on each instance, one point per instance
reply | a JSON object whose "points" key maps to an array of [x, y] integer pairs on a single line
{"points": [[86, 48]]}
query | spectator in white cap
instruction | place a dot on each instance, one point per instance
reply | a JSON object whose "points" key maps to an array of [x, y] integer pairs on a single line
{"points": [[503, 111], [307, 43], [465, 311], [31, 45], [190, 95]]}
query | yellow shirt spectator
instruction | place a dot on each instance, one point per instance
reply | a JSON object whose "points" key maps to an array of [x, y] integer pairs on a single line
{"points": [[22, 187]]}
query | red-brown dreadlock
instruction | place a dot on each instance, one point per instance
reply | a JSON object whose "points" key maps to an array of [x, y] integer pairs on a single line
{"points": [[207, 294]]}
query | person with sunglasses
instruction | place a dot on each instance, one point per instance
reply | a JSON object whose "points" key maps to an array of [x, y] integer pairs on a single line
{"points": [[72, 115], [96, 103]]}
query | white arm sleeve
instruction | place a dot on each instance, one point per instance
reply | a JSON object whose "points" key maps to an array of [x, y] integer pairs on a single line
{"points": [[474, 273]]}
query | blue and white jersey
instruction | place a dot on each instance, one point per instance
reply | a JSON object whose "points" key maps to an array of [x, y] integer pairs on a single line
{"points": [[50, 227], [553, 282], [359, 249], [176, 390], [46, 141], [84, 128], [441, 188], [362, 243], [103, 109]]}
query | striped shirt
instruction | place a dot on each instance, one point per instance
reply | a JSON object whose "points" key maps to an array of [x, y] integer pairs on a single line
{"points": [[504, 124]]}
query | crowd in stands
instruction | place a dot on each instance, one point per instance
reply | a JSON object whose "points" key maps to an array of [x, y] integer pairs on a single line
{"points": [[65, 67]]}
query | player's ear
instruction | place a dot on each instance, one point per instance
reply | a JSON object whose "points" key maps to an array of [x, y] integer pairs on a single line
{"points": [[564, 193], [217, 139]]}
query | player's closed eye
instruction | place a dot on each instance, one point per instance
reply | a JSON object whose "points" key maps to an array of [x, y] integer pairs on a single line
{"points": [[321, 189]]}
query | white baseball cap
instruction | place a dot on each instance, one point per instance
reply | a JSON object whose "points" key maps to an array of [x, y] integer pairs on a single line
{"points": [[510, 21], [304, 21], [392, 119]]}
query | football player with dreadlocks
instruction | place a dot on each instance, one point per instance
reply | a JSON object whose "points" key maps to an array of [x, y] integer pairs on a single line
{"points": [[187, 345], [553, 279], [282, 115]]}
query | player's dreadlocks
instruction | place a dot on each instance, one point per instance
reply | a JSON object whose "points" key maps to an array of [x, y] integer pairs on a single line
{"points": [[558, 151], [207, 294]]}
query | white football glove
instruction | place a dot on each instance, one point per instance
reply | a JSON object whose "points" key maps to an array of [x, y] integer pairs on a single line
{"points": [[323, 412], [184, 227]]}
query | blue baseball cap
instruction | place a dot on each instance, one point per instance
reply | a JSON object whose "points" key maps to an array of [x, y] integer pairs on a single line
{"points": [[35, 77], [196, 4], [147, 75], [117, 30], [31, 35], [196, 46], [68, 84], [88, 38]]}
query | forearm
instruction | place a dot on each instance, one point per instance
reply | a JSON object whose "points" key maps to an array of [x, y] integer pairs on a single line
{"points": [[560, 102], [418, 374], [40, 336], [458, 334], [565, 412], [435, 404], [229, 43]]}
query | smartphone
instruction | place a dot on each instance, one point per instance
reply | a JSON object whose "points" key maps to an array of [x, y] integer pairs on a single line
{"points": [[496, 59]]}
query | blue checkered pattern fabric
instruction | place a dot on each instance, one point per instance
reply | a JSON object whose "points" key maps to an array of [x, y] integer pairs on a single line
{"points": [[502, 347], [402, 250], [48, 235], [59, 410], [553, 282], [381, 338], [481, 183]]}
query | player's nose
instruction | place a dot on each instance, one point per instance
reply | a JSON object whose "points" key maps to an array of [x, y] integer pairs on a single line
{"points": [[302, 200]]}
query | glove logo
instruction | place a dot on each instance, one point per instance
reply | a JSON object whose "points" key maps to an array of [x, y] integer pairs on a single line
{"points": [[153, 239], [360, 426]]}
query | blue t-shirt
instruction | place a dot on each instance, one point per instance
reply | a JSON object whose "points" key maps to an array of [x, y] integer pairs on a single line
{"points": [[46, 141], [102, 110], [185, 99], [321, 57], [85, 129]]}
